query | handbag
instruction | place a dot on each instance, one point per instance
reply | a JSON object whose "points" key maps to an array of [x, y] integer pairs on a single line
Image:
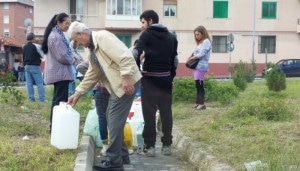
{"points": [[192, 64]]}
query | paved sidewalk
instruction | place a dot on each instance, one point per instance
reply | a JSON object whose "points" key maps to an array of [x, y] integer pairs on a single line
{"points": [[183, 149], [158, 163]]}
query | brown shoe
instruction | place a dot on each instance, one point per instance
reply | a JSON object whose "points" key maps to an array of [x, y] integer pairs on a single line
{"points": [[196, 105]]}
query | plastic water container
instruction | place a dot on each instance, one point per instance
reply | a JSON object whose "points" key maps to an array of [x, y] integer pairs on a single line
{"points": [[139, 135], [128, 138], [135, 117], [65, 127]]}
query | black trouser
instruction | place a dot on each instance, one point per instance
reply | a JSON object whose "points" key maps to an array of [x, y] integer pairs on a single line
{"points": [[200, 92], [60, 94], [156, 98]]}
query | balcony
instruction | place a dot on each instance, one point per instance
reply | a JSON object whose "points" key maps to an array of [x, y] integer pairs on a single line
{"points": [[121, 22]]}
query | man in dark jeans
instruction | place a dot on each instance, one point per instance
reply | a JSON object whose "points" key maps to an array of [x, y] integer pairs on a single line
{"points": [[159, 49], [33, 72]]}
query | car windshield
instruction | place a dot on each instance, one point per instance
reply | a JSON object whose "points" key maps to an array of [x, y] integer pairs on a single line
{"points": [[280, 63], [285, 62]]}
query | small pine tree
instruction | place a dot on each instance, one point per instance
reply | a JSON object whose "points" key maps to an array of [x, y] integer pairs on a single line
{"points": [[276, 80]]}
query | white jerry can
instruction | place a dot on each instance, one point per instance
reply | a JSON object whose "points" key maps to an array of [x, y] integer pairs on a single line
{"points": [[65, 127]]}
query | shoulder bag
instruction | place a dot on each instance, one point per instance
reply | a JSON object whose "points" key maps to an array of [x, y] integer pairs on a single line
{"points": [[192, 64]]}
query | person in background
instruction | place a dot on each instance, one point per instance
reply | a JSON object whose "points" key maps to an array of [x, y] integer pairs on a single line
{"points": [[3, 66], [3, 69], [133, 50], [78, 60], [58, 59], [13, 69], [33, 72], [202, 52], [21, 70], [159, 48], [113, 64], [101, 97]]}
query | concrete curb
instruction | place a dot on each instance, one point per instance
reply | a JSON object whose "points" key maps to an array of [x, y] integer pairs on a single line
{"points": [[85, 158], [196, 156]]}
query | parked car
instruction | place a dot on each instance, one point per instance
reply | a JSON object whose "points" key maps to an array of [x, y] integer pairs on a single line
{"points": [[291, 67]]}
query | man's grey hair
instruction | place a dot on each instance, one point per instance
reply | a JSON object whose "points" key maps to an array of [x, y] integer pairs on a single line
{"points": [[76, 27]]}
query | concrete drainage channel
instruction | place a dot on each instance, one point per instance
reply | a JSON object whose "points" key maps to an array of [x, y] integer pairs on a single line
{"points": [[197, 156]]}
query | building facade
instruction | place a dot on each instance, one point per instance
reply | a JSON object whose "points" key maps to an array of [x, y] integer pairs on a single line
{"points": [[260, 30], [16, 18]]}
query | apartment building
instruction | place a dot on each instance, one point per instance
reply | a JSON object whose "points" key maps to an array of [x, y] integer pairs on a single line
{"points": [[241, 30], [15, 19]]}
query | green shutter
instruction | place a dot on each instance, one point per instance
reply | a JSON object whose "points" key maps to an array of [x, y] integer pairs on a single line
{"points": [[269, 10], [125, 38], [220, 9]]}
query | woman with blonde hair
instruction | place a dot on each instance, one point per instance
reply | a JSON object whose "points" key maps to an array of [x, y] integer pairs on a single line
{"points": [[202, 52]]}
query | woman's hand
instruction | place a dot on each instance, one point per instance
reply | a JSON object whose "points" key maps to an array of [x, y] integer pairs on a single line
{"points": [[191, 58]]}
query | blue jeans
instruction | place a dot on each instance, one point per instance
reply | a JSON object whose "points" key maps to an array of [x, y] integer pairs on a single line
{"points": [[72, 84], [33, 74], [101, 102], [21, 76]]}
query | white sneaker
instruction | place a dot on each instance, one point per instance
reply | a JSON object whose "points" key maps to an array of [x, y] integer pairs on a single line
{"points": [[103, 150]]}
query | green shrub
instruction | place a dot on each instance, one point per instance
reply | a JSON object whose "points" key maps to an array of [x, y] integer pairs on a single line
{"points": [[185, 90], [243, 73], [9, 94], [238, 75], [250, 72], [273, 109], [223, 93], [240, 82], [276, 80]]}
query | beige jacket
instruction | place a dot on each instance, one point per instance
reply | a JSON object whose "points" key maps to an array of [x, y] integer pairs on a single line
{"points": [[116, 60]]}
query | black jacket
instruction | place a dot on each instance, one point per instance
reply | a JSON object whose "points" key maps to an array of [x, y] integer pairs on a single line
{"points": [[160, 47], [31, 55]]}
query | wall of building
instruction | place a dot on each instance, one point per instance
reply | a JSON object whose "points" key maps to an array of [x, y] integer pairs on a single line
{"points": [[240, 23]]}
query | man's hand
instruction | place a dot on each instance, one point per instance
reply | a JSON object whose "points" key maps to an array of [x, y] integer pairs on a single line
{"points": [[73, 99], [128, 86]]}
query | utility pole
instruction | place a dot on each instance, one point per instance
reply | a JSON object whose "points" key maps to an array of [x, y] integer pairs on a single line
{"points": [[254, 23]]}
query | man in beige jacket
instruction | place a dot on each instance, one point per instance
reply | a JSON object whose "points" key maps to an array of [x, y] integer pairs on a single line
{"points": [[112, 63]]}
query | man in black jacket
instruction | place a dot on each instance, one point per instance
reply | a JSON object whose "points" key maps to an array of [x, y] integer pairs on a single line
{"points": [[158, 47], [33, 72]]}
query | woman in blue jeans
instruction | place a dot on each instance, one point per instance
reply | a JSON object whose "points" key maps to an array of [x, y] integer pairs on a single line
{"points": [[101, 97]]}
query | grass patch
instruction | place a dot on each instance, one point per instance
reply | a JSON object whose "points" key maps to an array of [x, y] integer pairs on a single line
{"points": [[257, 125], [32, 120], [236, 131]]}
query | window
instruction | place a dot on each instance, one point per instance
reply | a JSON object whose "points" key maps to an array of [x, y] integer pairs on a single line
{"points": [[30, 10], [219, 44], [170, 8], [6, 6], [220, 9], [6, 32], [125, 38], [76, 6], [6, 19], [267, 44], [269, 10], [124, 7]]}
